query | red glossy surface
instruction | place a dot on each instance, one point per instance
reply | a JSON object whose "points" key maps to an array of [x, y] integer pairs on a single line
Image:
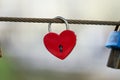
{"points": [[60, 45]]}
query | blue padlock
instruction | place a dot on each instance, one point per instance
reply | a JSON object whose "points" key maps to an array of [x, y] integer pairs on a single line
{"points": [[113, 40]]}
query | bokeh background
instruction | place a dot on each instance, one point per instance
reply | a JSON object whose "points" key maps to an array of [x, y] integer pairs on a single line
{"points": [[25, 56]]}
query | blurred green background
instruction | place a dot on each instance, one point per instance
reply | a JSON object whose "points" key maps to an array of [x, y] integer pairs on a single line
{"points": [[25, 56]]}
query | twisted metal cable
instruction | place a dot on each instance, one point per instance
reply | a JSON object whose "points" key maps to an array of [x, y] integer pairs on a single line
{"points": [[48, 20]]}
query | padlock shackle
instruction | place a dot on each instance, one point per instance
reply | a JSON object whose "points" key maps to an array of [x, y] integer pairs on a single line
{"points": [[61, 18], [116, 28]]}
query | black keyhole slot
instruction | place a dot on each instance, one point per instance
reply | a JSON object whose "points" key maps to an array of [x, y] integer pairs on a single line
{"points": [[60, 48]]}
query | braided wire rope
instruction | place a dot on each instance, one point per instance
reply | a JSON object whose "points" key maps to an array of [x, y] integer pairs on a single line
{"points": [[49, 20]]}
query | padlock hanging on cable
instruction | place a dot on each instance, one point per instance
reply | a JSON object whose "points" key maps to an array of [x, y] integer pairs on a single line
{"points": [[60, 45], [114, 43]]}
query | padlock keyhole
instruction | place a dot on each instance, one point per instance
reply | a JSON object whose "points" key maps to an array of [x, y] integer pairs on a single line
{"points": [[60, 48]]}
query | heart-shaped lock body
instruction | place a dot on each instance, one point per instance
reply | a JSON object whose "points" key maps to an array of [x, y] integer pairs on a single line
{"points": [[60, 45], [113, 40]]}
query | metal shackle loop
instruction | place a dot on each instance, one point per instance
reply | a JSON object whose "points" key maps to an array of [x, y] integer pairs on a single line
{"points": [[117, 28], [61, 18]]}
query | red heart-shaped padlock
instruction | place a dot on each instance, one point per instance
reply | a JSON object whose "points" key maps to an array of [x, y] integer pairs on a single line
{"points": [[60, 45]]}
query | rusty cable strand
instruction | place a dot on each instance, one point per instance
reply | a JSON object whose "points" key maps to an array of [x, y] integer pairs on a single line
{"points": [[49, 20]]}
